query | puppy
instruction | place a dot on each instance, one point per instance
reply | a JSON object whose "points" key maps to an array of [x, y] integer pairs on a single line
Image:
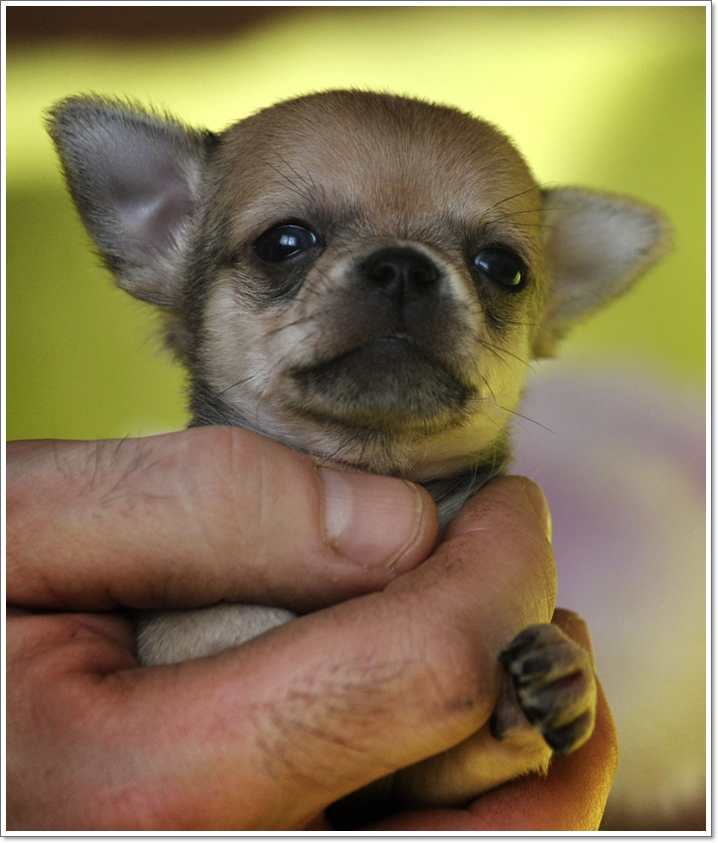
{"points": [[364, 278]]}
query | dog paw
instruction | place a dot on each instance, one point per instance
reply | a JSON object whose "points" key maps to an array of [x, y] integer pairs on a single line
{"points": [[554, 685]]}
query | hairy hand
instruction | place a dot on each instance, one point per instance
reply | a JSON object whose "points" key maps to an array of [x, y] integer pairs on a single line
{"points": [[267, 735]]}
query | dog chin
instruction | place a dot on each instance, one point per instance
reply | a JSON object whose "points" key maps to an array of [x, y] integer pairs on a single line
{"points": [[389, 386]]}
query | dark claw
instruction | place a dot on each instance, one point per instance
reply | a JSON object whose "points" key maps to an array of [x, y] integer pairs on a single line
{"points": [[534, 666], [570, 737], [496, 727], [536, 713]]}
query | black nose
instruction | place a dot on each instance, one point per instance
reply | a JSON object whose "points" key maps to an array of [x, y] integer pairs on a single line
{"points": [[401, 273]]}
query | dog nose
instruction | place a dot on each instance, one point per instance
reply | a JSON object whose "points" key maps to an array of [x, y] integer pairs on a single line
{"points": [[401, 273]]}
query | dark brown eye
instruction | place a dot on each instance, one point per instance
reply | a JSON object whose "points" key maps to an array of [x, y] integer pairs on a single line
{"points": [[501, 266], [284, 242]]}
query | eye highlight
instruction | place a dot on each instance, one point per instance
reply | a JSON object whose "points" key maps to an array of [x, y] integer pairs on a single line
{"points": [[501, 266], [284, 241]]}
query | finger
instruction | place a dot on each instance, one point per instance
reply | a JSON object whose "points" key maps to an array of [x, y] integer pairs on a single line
{"points": [[413, 670], [571, 798], [267, 735], [208, 514], [575, 627]]}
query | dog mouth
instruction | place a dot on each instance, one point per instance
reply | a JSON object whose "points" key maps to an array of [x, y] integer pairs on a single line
{"points": [[391, 383]]}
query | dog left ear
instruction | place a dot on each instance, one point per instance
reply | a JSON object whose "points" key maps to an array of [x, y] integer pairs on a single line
{"points": [[597, 246]]}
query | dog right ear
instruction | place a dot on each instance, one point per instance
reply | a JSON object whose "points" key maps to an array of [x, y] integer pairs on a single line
{"points": [[134, 177], [597, 246]]}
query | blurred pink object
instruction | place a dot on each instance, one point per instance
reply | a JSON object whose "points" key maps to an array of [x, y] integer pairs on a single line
{"points": [[621, 457]]}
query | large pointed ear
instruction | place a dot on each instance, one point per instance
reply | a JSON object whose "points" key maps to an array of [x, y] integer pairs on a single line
{"points": [[597, 246], [134, 177]]}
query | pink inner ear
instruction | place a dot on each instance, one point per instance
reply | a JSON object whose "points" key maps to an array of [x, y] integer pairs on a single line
{"points": [[150, 195], [152, 221], [598, 245]]}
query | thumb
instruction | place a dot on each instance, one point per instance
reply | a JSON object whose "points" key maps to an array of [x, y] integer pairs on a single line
{"points": [[207, 514]]}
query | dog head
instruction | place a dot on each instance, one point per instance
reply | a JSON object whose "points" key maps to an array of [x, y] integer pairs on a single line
{"points": [[363, 277]]}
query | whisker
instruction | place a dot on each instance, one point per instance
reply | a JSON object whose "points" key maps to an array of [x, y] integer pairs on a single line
{"points": [[300, 191], [527, 418], [309, 182], [234, 385], [506, 214], [495, 349], [514, 196], [300, 321]]}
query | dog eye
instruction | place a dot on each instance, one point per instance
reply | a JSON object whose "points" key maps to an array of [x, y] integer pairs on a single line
{"points": [[500, 266], [284, 242]]}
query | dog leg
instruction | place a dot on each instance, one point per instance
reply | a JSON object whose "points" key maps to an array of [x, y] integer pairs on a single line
{"points": [[177, 636]]}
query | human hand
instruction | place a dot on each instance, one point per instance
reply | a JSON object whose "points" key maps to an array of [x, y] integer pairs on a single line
{"points": [[268, 735], [572, 797]]}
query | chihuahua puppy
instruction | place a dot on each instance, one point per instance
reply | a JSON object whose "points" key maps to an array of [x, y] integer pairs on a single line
{"points": [[365, 278]]}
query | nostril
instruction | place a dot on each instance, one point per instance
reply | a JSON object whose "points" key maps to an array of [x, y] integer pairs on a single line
{"points": [[424, 276], [384, 274]]}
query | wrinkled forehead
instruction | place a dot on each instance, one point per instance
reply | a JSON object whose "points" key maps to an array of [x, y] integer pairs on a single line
{"points": [[399, 165]]}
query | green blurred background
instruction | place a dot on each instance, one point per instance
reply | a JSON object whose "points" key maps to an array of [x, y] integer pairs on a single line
{"points": [[610, 97]]}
